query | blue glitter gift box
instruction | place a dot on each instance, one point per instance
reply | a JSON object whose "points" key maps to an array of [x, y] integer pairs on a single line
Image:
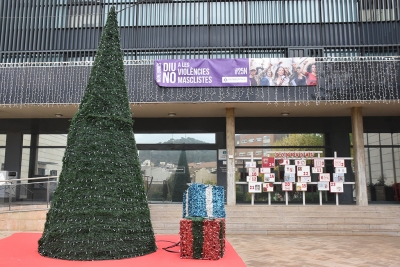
{"points": [[206, 201]]}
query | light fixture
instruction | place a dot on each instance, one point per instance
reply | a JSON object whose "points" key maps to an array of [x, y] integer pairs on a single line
{"points": [[172, 114], [285, 114], [58, 115]]}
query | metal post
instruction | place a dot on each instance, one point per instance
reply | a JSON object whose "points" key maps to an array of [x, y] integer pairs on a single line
{"points": [[320, 197]]}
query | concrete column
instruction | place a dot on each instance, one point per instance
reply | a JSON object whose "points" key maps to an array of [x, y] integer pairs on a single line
{"points": [[230, 161], [13, 155], [359, 157]]}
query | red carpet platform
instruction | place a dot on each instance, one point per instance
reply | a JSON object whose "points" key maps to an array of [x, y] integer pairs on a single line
{"points": [[20, 249]]}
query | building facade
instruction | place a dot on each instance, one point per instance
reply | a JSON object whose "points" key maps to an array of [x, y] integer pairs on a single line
{"points": [[46, 50]]}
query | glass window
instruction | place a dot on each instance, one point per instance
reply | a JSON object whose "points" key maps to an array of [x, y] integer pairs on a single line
{"points": [[386, 139], [83, 15], [375, 164], [159, 168], [49, 160], [25, 163], [227, 13], [339, 11], [291, 140], [26, 141], [2, 155], [396, 138], [396, 156], [387, 166], [373, 139], [175, 138], [3, 139], [53, 139]]}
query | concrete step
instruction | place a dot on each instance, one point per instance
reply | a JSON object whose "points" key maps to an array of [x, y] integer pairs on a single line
{"points": [[257, 219]]}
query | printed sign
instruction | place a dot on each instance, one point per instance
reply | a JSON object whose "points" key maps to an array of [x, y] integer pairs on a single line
{"points": [[265, 170], [303, 171], [341, 170], [253, 171], [338, 177], [251, 179], [336, 187], [225, 72], [295, 154], [301, 186], [304, 179], [289, 177], [300, 162], [268, 187], [268, 162], [319, 163], [324, 177], [323, 186], [251, 164], [338, 163], [255, 187], [284, 162], [287, 186], [221, 154], [290, 169], [269, 177], [317, 170]]}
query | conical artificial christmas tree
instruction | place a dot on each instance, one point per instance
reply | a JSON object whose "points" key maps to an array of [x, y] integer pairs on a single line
{"points": [[99, 209], [181, 178]]}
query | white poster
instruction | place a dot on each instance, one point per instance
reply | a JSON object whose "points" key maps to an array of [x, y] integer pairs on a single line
{"points": [[300, 162], [255, 187], [301, 186], [338, 163], [338, 177], [336, 187], [341, 170], [269, 177], [253, 171], [324, 177], [319, 163], [304, 179], [317, 170], [265, 170], [251, 164], [268, 187], [290, 169], [287, 186], [251, 179], [323, 186], [303, 171], [289, 177]]}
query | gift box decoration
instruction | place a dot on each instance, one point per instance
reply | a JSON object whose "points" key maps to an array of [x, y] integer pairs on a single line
{"points": [[202, 238], [201, 200]]}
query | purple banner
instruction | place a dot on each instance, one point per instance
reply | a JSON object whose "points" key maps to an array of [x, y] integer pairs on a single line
{"points": [[235, 72]]}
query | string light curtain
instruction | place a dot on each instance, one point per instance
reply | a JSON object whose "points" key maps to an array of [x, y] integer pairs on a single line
{"points": [[340, 80]]}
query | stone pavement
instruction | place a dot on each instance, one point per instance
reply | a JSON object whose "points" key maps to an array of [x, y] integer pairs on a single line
{"points": [[338, 251]]}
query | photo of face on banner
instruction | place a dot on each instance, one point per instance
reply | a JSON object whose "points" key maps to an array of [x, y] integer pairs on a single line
{"points": [[282, 72]]}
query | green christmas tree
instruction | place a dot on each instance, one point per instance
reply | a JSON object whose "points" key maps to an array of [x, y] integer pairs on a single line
{"points": [[99, 210], [181, 178]]}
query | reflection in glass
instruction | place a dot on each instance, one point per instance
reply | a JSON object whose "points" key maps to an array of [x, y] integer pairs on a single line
{"points": [[2, 154], [53, 139], [175, 138], [49, 161], [3, 139], [159, 168]]}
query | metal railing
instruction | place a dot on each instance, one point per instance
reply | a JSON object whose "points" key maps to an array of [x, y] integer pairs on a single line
{"points": [[17, 193]]}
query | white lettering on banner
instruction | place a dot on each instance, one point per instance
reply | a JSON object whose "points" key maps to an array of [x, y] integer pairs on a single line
{"points": [[169, 77]]}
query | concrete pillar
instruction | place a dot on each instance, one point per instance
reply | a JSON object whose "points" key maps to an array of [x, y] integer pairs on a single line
{"points": [[13, 155], [359, 157], [230, 161]]}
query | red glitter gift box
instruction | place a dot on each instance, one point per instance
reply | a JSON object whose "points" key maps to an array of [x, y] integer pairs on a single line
{"points": [[202, 238]]}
